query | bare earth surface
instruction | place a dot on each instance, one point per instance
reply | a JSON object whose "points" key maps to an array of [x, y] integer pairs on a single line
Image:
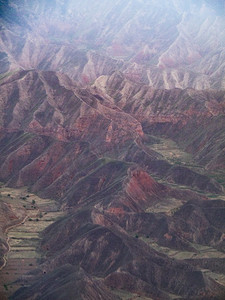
{"points": [[30, 215]]}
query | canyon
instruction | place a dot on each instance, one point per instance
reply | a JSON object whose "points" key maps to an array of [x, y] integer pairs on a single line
{"points": [[112, 121]]}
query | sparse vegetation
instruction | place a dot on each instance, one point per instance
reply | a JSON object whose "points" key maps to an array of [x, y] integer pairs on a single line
{"points": [[174, 210], [24, 238], [86, 149]]}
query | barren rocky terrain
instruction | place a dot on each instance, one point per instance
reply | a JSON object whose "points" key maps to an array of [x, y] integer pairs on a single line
{"points": [[112, 143], [165, 45]]}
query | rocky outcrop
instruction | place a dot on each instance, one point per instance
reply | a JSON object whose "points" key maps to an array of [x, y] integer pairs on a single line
{"points": [[48, 102], [79, 286], [126, 36], [87, 89], [129, 263], [175, 113], [89, 152], [141, 186]]}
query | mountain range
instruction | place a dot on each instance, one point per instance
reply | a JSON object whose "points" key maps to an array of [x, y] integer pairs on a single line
{"points": [[116, 111]]}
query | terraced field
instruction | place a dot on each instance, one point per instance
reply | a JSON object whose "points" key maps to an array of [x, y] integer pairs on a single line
{"points": [[175, 156], [172, 153], [31, 215], [34, 215]]}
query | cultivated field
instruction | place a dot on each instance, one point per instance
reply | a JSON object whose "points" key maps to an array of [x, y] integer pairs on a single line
{"points": [[23, 238]]}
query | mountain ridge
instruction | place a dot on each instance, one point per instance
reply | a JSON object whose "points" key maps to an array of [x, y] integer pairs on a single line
{"points": [[116, 111]]}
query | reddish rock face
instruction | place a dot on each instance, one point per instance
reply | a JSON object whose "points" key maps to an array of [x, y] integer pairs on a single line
{"points": [[164, 54], [95, 92], [174, 113], [90, 152], [143, 188], [64, 112], [116, 210]]}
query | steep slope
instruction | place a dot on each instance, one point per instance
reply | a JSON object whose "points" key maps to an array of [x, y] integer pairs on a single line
{"points": [[126, 262], [175, 113], [87, 39], [43, 101], [116, 110], [45, 117], [88, 151], [49, 130], [79, 286]]}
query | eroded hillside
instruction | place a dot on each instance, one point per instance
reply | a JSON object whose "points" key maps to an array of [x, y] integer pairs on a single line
{"points": [[130, 207], [163, 44], [112, 141]]}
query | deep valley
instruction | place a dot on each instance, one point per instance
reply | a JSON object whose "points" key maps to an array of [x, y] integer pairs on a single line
{"points": [[112, 150]]}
